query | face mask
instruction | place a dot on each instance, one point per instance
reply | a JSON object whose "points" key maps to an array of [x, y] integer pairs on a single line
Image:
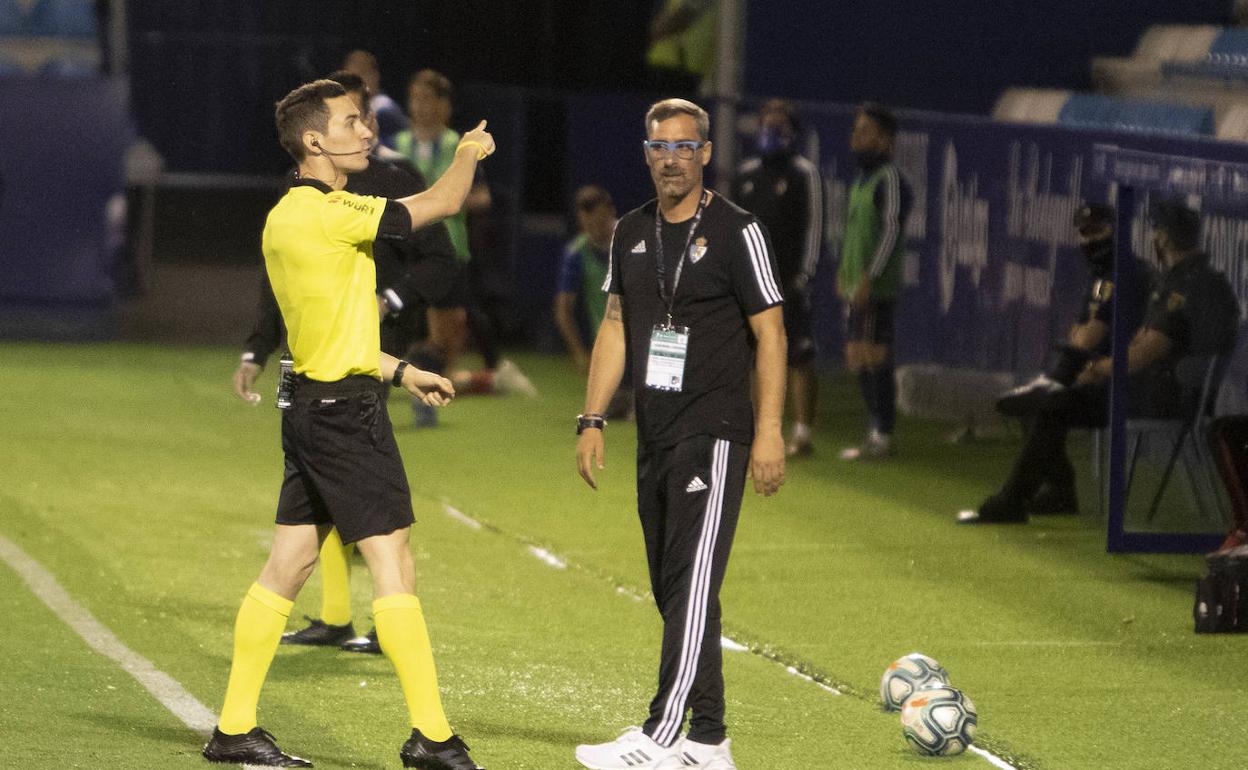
{"points": [[773, 142], [869, 158], [1100, 254], [1159, 252]]}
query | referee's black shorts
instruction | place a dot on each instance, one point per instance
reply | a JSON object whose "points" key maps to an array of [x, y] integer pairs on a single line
{"points": [[872, 323], [342, 463]]}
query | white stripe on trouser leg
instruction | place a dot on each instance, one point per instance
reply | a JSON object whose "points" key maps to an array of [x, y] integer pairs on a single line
{"points": [[699, 595]]}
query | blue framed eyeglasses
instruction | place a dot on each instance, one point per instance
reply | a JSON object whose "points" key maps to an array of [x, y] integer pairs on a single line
{"points": [[660, 150]]}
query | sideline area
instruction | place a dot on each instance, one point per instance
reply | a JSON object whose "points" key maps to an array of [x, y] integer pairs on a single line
{"points": [[147, 492]]}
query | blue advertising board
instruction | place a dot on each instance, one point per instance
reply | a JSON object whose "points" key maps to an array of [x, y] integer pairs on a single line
{"points": [[62, 167], [994, 276]]}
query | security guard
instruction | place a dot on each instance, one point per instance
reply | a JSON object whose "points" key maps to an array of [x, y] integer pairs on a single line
{"points": [[1192, 314], [1088, 338], [343, 468]]}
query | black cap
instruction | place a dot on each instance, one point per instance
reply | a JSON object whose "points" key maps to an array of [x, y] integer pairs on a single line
{"points": [[1179, 220], [1093, 215]]}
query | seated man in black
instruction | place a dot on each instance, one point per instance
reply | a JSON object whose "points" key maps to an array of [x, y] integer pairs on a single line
{"points": [[1088, 338], [1191, 312]]}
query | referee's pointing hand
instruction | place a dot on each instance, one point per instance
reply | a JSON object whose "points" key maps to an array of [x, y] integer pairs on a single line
{"points": [[479, 138]]}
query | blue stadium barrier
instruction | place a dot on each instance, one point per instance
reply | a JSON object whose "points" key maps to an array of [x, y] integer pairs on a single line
{"points": [[1137, 175], [1105, 112], [57, 175]]}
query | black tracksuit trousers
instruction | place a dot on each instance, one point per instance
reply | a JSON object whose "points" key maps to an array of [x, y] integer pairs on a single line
{"points": [[689, 498]]}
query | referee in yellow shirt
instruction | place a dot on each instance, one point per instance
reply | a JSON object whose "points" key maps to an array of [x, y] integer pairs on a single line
{"points": [[342, 463]]}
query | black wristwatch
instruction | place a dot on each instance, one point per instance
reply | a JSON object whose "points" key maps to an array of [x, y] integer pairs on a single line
{"points": [[397, 379], [591, 420]]}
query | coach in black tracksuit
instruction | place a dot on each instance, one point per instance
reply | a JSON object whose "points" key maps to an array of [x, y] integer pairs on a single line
{"points": [[695, 305]]}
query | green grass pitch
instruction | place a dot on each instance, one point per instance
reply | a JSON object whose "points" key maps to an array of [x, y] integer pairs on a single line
{"points": [[134, 476]]}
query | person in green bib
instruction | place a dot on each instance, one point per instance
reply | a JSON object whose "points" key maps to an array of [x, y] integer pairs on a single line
{"points": [[430, 146], [580, 302], [869, 278], [684, 38], [583, 271]]}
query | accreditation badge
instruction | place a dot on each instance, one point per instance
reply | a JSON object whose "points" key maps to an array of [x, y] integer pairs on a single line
{"points": [[665, 363]]}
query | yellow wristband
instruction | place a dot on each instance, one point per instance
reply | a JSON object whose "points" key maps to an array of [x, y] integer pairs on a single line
{"points": [[481, 153]]}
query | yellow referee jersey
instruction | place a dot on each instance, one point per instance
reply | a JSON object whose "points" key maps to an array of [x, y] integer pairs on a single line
{"points": [[318, 251]]}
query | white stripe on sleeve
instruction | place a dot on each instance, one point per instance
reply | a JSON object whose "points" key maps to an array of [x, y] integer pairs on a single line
{"points": [[891, 221], [814, 225], [760, 261], [606, 282]]}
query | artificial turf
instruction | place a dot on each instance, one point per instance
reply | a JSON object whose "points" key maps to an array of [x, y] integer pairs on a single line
{"points": [[134, 476]]}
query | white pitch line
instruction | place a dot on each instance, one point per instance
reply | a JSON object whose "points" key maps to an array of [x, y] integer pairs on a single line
{"points": [[726, 642], [460, 516], [829, 688], [163, 688], [993, 759], [548, 558]]}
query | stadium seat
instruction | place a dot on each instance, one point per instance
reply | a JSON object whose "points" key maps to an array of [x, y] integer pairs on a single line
{"points": [[1227, 57], [1140, 73], [1030, 105], [1233, 123], [48, 18], [1050, 106], [1099, 111], [10, 67], [69, 67], [1203, 66]]}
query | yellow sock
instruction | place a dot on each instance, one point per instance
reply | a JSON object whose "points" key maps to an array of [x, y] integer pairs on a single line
{"points": [[335, 580], [405, 641], [257, 632]]}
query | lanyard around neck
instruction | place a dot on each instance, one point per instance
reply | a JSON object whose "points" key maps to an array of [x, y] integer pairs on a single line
{"points": [[670, 299]]}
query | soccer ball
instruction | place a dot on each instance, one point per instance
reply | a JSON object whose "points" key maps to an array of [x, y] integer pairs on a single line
{"points": [[939, 721], [905, 675]]}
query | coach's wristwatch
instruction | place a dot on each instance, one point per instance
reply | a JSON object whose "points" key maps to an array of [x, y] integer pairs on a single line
{"points": [[590, 420]]}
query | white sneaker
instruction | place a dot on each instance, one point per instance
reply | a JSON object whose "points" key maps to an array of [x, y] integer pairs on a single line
{"points": [[876, 447], [509, 379], [632, 750], [1041, 384], [705, 756]]}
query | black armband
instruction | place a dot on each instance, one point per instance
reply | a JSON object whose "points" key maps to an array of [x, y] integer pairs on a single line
{"points": [[396, 223]]}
